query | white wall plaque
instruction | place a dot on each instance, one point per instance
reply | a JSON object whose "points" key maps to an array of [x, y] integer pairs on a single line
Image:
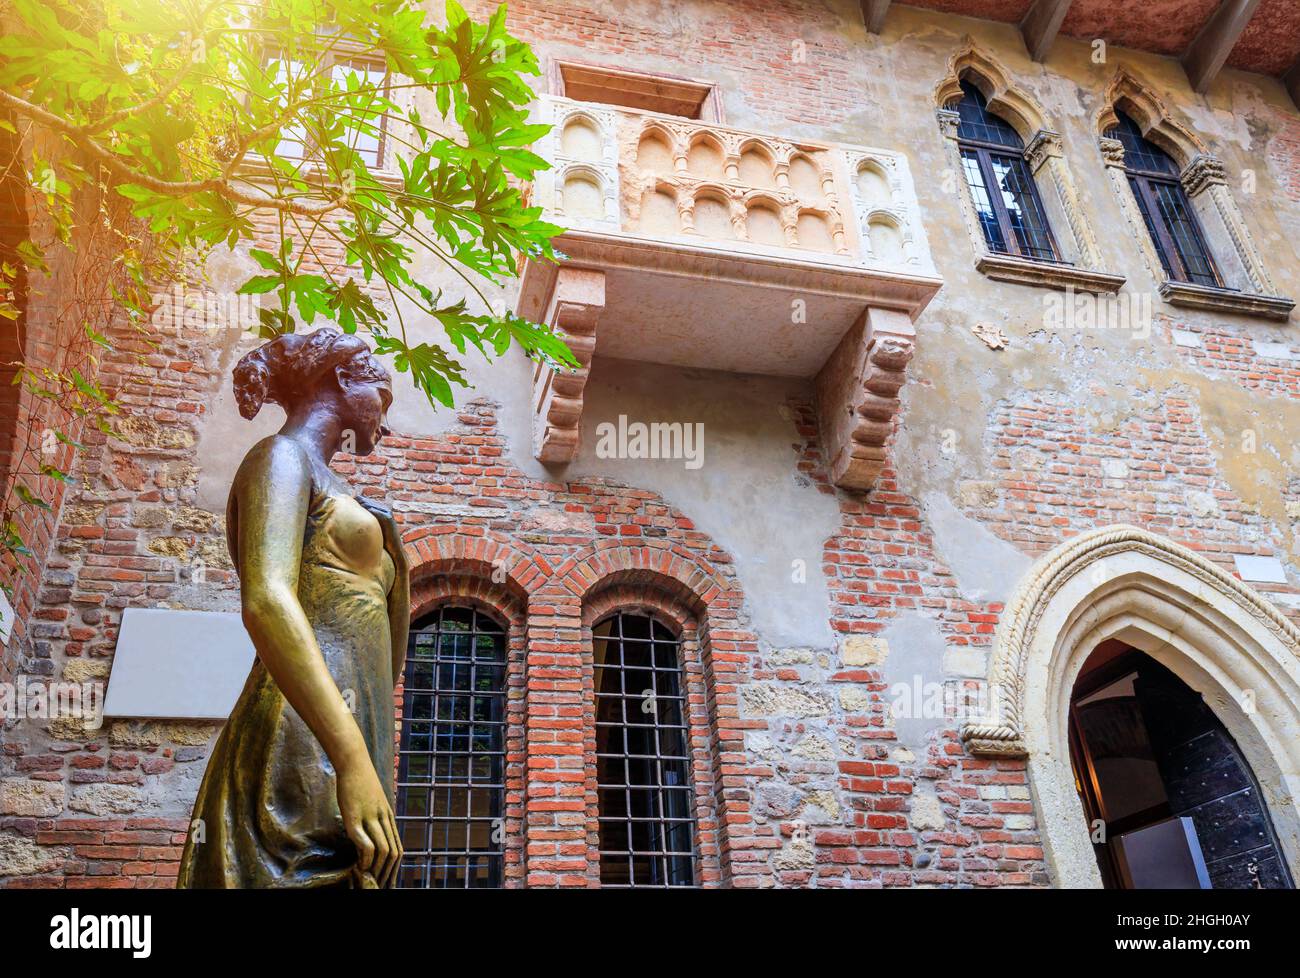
{"points": [[1274, 351], [1261, 570], [173, 664], [6, 618]]}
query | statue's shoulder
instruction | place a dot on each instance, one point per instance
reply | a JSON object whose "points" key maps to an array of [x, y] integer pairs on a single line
{"points": [[278, 459]]}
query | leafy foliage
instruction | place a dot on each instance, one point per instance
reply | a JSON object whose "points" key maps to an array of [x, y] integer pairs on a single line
{"points": [[208, 115]]}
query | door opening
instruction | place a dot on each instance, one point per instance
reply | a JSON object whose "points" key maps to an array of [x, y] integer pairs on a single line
{"points": [[1170, 799]]}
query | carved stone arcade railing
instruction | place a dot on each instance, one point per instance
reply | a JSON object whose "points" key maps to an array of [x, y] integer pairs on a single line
{"points": [[702, 245]]}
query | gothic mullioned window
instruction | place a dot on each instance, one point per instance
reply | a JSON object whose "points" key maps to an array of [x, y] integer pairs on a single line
{"points": [[340, 70], [1006, 198], [451, 759], [643, 761], [1170, 219]]}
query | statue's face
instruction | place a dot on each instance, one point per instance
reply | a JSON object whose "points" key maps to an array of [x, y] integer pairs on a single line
{"points": [[366, 404]]}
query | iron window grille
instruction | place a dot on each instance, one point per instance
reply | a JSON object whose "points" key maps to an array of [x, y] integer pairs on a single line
{"points": [[643, 764], [451, 758], [1170, 220], [992, 156]]}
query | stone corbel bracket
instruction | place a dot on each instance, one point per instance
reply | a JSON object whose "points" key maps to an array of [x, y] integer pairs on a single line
{"points": [[577, 300], [857, 395]]}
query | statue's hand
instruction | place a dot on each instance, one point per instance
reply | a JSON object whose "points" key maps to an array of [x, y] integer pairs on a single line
{"points": [[369, 821]]}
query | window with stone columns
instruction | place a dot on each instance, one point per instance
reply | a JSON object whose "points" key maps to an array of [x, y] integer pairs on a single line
{"points": [[1197, 244], [1168, 214], [1007, 166], [1005, 194]]}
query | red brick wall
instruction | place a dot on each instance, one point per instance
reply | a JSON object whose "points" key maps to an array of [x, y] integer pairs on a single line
{"points": [[14, 230], [48, 335], [636, 547], [791, 60], [624, 543], [1231, 352], [103, 853], [621, 543]]}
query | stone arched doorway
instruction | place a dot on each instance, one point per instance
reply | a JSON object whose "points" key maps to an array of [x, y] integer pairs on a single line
{"points": [[1215, 634], [1172, 801]]}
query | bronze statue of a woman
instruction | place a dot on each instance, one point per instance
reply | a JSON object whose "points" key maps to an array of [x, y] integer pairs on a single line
{"points": [[299, 789]]}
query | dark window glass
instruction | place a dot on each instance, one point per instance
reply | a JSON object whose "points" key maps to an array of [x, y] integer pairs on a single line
{"points": [[1168, 214], [988, 217], [451, 761], [978, 125], [1024, 211], [1138, 192], [1176, 213], [1140, 153], [643, 766], [1006, 198]]}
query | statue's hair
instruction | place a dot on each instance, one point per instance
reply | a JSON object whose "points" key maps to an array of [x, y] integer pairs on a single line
{"points": [[291, 365]]}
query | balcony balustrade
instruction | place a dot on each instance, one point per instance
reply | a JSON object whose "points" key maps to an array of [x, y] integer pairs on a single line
{"points": [[700, 245]]}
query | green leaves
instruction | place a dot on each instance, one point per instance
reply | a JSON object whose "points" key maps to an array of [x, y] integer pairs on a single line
{"points": [[308, 292], [487, 63], [428, 364], [377, 149], [12, 541], [350, 307], [29, 497]]}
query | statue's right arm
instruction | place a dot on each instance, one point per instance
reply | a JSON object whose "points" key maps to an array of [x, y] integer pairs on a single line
{"points": [[273, 494], [273, 490]]}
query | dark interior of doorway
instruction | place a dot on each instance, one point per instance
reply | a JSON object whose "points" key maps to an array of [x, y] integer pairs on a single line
{"points": [[1168, 793]]}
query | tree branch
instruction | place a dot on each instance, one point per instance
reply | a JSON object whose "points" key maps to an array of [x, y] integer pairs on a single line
{"points": [[172, 188]]}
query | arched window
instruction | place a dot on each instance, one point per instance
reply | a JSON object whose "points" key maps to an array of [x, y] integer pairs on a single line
{"points": [[643, 763], [1168, 214], [1006, 198], [451, 760]]}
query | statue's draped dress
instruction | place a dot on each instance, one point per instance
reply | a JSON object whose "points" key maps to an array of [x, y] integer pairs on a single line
{"points": [[268, 804]]}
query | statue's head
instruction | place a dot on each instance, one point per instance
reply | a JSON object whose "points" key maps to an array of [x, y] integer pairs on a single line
{"points": [[324, 370]]}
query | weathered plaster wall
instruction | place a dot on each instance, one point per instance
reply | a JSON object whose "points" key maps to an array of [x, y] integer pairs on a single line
{"points": [[878, 90], [885, 83]]}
